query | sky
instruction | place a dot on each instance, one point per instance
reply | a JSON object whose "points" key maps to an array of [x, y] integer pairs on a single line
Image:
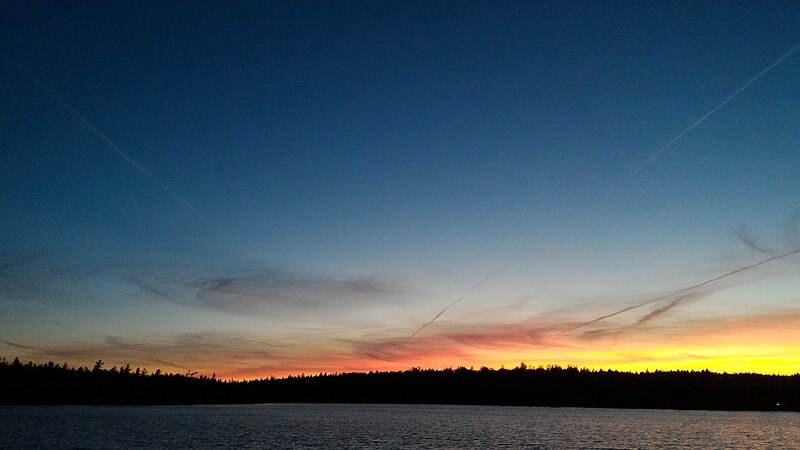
{"points": [[259, 189]]}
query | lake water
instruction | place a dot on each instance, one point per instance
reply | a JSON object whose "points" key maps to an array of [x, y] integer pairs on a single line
{"points": [[389, 426]]}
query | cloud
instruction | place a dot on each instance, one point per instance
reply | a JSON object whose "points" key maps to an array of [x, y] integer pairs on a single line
{"points": [[537, 340], [86, 276], [43, 277], [20, 346], [744, 235], [341, 339], [452, 342], [652, 315], [260, 291], [271, 290]]}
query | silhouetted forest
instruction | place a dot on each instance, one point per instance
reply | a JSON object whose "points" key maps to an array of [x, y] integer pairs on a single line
{"points": [[523, 386]]}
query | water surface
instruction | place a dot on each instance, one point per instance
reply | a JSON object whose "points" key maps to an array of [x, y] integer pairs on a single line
{"points": [[389, 426]]}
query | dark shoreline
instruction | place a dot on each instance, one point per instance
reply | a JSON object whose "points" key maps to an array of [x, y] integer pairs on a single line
{"points": [[553, 386]]}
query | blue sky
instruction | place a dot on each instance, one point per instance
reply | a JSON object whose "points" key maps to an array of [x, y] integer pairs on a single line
{"points": [[332, 175]]}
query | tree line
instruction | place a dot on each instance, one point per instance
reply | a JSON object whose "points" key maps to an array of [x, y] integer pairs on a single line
{"points": [[554, 386]]}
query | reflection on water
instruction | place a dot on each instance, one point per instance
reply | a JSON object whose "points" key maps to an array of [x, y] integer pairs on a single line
{"points": [[390, 426]]}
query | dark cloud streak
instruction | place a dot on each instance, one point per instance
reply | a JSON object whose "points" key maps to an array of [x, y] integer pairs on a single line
{"points": [[267, 290], [744, 235]]}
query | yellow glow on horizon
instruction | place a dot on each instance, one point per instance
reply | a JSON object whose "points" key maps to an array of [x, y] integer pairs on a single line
{"points": [[756, 358], [766, 344]]}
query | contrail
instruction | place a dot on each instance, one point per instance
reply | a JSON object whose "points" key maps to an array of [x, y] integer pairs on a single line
{"points": [[114, 148], [705, 116], [662, 310], [683, 291], [262, 343], [292, 291], [485, 279]]}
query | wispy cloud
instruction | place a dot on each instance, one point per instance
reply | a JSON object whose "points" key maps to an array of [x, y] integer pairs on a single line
{"points": [[335, 300], [744, 235], [652, 315], [254, 292], [21, 346], [76, 277], [43, 277], [537, 340]]}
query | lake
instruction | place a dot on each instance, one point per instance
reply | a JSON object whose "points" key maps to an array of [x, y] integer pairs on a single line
{"points": [[389, 426]]}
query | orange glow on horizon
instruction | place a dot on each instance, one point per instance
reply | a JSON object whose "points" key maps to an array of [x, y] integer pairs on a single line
{"points": [[766, 343]]}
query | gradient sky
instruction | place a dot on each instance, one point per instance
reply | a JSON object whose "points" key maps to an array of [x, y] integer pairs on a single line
{"points": [[259, 189]]}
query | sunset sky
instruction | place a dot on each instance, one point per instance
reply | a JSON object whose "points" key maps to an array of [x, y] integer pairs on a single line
{"points": [[258, 189]]}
